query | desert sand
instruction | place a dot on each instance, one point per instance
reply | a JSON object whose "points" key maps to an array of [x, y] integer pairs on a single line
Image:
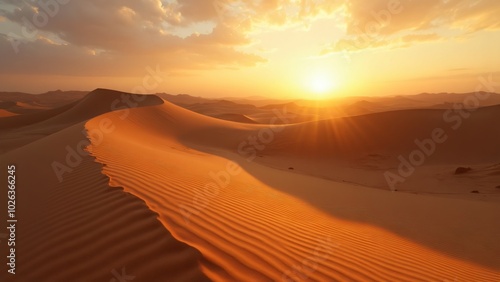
{"points": [[166, 194]]}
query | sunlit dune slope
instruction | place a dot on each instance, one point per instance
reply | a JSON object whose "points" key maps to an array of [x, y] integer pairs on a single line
{"points": [[236, 118], [262, 224]]}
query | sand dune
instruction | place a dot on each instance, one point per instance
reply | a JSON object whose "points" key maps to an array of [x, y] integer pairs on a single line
{"points": [[254, 231], [343, 149], [27, 119], [5, 113], [236, 118], [394, 133], [51, 99], [95, 103], [20, 130], [20, 107], [166, 192], [98, 102], [80, 229]]}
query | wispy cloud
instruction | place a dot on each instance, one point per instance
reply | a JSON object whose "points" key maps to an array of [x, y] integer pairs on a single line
{"points": [[92, 37]]}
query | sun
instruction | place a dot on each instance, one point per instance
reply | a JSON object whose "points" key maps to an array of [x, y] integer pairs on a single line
{"points": [[321, 84]]}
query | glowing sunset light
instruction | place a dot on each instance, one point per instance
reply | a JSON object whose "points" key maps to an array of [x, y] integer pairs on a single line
{"points": [[254, 47]]}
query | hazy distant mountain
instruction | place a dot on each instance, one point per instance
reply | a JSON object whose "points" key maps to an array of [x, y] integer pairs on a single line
{"points": [[22, 103], [259, 107]]}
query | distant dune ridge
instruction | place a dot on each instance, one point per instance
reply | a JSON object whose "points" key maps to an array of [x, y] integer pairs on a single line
{"points": [[5, 113], [259, 109], [19, 130], [167, 192], [23, 103]]}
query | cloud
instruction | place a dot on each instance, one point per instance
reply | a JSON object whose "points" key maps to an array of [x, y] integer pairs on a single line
{"points": [[420, 37], [401, 23], [98, 37], [43, 56]]}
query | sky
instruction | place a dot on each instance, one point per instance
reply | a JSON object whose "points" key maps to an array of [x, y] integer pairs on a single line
{"points": [[233, 48]]}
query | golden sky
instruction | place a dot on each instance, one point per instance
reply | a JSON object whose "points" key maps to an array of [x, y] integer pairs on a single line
{"points": [[270, 48]]}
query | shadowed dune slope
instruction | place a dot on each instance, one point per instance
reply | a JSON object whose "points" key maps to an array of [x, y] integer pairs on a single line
{"points": [[98, 102], [22, 129], [5, 113], [249, 231], [80, 229], [474, 139], [93, 104], [27, 119], [51, 99]]}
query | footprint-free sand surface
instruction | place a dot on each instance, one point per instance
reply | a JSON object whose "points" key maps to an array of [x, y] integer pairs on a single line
{"points": [[165, 194]]}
